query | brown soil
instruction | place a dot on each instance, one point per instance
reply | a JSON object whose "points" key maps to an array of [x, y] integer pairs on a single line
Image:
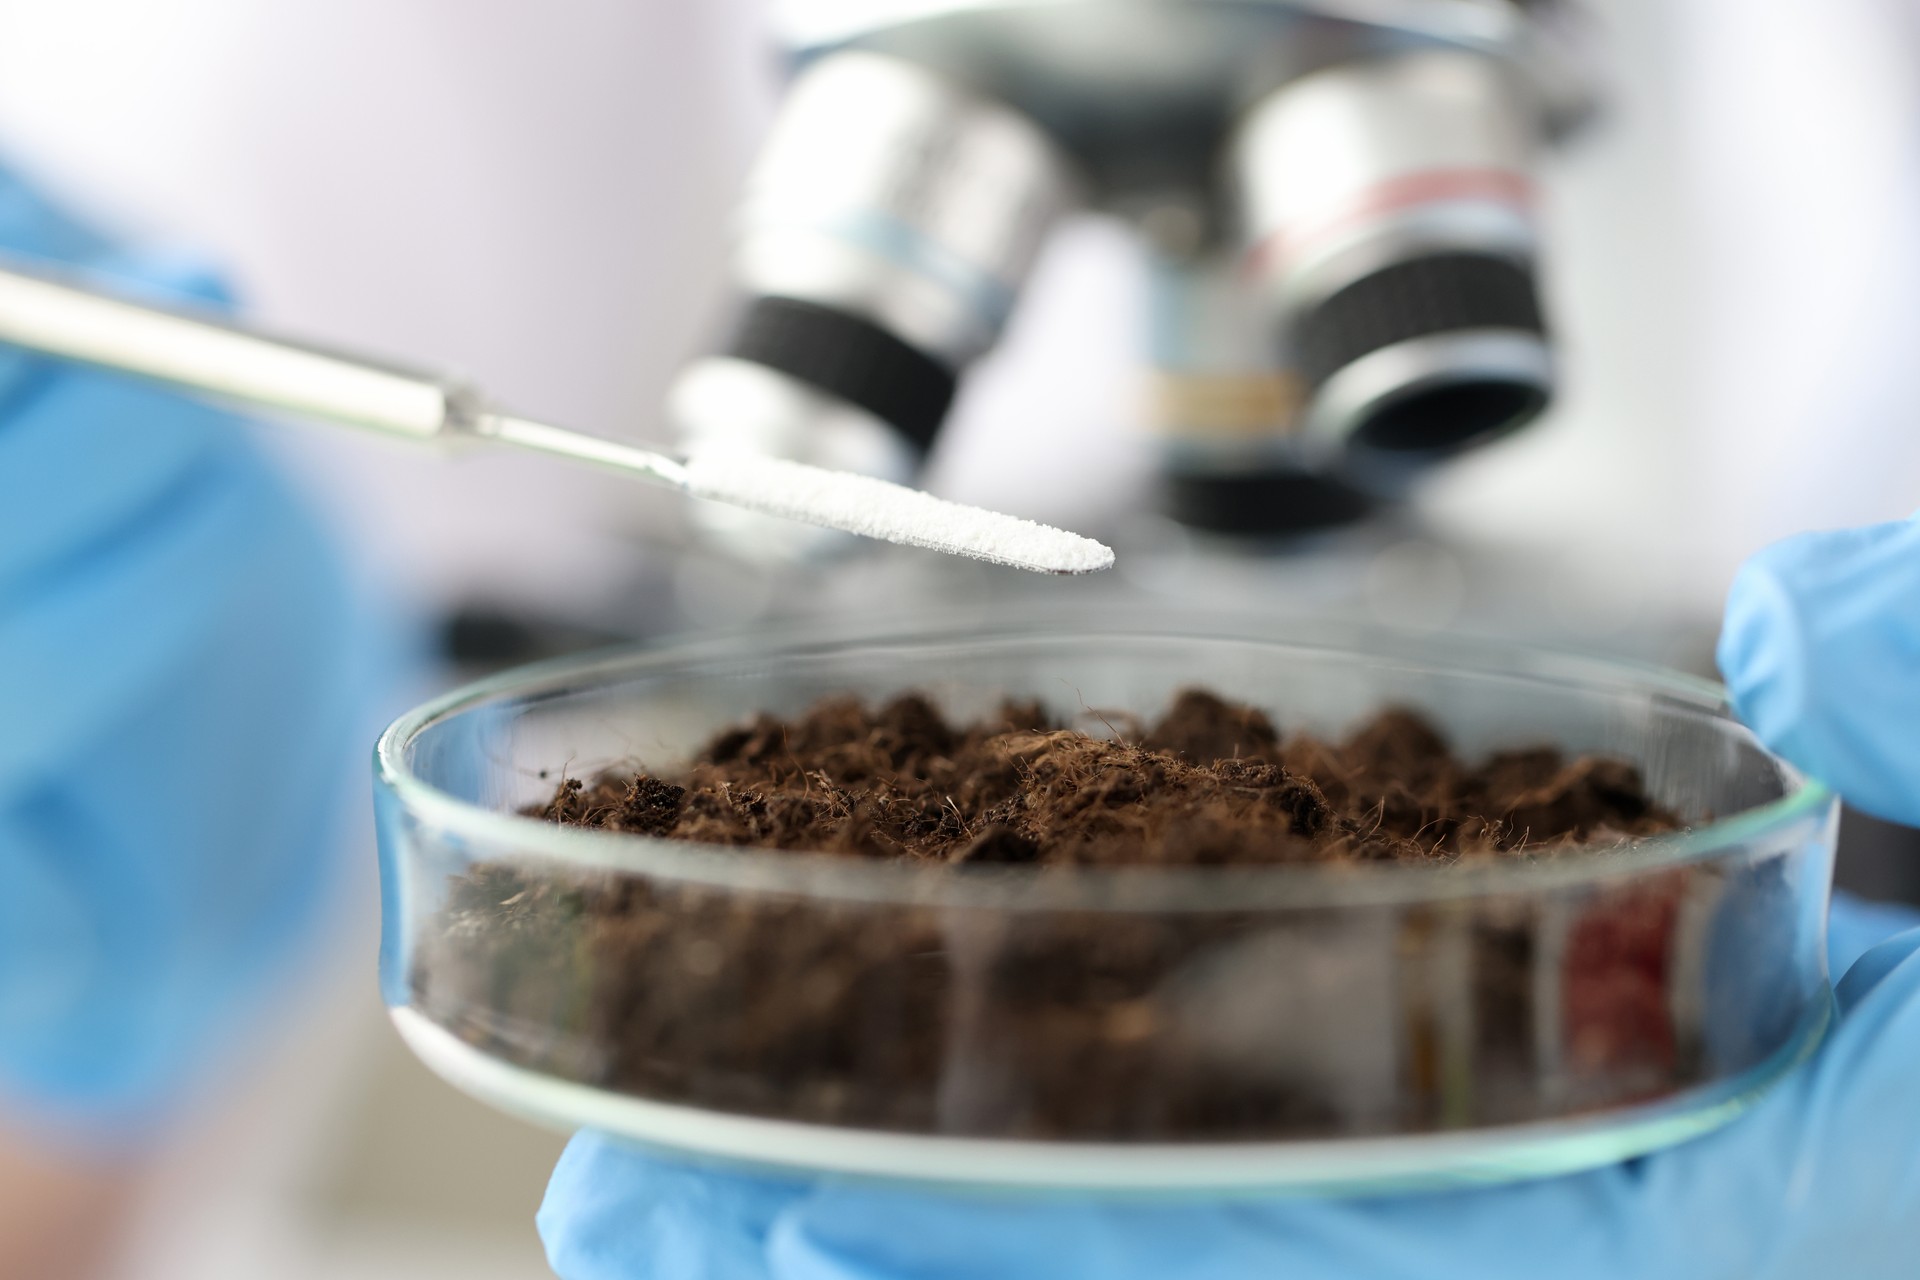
{"points": [[1082, 1024], [1210, 783]]}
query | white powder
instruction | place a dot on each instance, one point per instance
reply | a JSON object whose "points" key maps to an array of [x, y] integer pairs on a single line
{"points": [[876, 509]]}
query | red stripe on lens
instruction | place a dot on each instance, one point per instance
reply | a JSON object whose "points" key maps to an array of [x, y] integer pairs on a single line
{"points": [[1433, 186]]}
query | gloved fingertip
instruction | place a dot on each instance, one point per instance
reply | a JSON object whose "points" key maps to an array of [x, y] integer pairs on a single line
{"points": [[1857, 925], [1872, 968], [1762, 650], [1817, 651]]}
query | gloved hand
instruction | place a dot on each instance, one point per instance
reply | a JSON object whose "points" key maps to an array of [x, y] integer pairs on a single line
{"points": [[183, 673], [1821, 1178]]}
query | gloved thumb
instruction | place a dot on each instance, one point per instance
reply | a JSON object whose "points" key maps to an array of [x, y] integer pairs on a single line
{"points": [[1821, 652]]}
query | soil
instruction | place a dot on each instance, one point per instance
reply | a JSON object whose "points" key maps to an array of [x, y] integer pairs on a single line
{"points": [[1113, 1026], [1209, 783]]}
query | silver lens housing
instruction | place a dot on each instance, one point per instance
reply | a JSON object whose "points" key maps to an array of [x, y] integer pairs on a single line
{"points": [[890, 192], [883, 237], [1346, 179]]}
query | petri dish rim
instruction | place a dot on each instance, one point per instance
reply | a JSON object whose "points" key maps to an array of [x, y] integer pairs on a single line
{"points": [[1806, 802]]}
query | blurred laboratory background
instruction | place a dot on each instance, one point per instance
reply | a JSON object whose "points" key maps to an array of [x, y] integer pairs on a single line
{"points": [[542, 196]]}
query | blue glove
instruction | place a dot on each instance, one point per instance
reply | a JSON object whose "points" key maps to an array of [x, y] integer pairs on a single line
{"points": [[1822, 652], [183, 674], [1822, 1177]]}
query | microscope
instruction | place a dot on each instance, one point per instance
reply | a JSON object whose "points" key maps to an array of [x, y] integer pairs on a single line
{"points": [[1334, 197]]}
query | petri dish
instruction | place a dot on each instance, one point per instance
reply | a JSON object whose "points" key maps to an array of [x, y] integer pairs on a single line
{"points": [[1308, 1029]]}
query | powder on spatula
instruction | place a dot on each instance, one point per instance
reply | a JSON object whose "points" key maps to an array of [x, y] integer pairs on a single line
{"points": [[878, 509]]}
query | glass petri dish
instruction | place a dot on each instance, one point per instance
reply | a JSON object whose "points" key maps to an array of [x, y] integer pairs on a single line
{"points": [[1300, 1028]]}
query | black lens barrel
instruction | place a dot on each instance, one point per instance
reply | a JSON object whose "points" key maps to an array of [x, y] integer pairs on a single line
{"points": [[850, 357]]}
